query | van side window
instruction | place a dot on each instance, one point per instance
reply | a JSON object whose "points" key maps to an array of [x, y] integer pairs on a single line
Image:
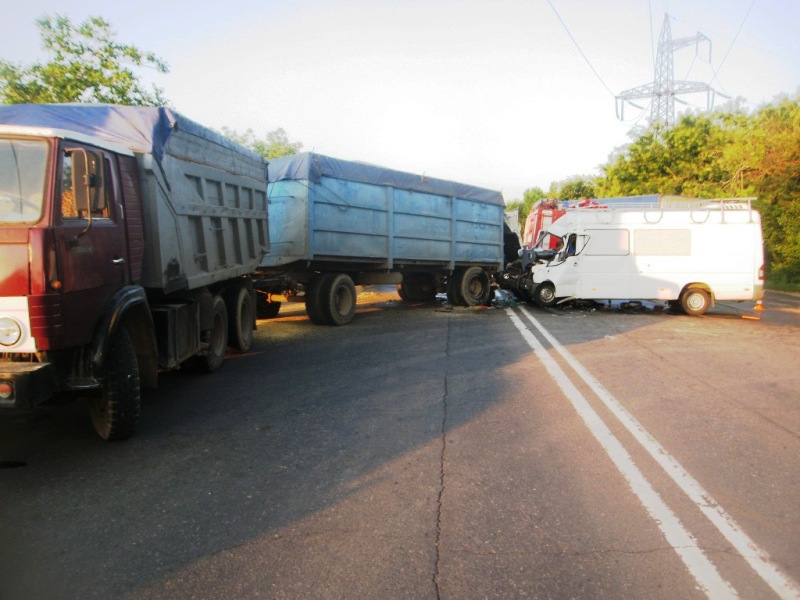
{"points": [[662, 242], [608, 242]]}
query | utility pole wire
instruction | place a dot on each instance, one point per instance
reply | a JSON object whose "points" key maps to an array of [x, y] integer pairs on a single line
{"points": [[574, 41], [738, 31]]}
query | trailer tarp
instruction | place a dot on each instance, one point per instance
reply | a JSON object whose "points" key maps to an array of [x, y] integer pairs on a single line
{"points": [[312, 167]]}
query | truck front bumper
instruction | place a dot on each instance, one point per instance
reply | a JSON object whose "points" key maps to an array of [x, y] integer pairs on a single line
{"points": [[24, 385]]}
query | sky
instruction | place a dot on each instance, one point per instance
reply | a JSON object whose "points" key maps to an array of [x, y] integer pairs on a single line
{"points": [[502, 94]]}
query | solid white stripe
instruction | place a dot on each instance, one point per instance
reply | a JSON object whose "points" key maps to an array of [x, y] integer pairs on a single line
{"points": [[682, 542], [756, 557]]}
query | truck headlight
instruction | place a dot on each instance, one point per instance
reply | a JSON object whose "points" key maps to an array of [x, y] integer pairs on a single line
{"points": [[10, 331]]}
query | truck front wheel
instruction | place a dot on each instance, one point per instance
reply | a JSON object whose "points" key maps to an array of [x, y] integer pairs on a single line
{"points": [[115, 410]]}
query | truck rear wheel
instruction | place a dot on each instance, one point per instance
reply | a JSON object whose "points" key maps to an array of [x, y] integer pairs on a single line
{"points": [[241, 316], [338, 295], [216, 338], [695, 301], [115, 410], [474, 286]]}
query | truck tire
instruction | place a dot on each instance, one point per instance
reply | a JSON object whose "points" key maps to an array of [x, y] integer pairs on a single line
{"points": [[695, 301], [241, 316], [115, 410], [314, 305], [338, 299], [474, 286], [217, 339], [545, 294]]}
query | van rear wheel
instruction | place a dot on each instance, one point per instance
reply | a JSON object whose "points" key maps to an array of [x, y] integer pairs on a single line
{"points": [[695, 301]]}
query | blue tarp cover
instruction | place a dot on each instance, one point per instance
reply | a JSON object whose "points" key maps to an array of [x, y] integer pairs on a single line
{"points": [[139, 128], [308, 166]]}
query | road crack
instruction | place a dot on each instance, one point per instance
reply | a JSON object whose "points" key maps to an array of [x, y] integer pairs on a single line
{"points": [[437, 574]]}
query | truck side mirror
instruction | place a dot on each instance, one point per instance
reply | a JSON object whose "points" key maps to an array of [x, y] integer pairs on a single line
{"points": [[87, 180]]}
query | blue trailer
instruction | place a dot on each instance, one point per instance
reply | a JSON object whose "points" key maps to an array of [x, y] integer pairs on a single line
{"points": [[335, 224]]}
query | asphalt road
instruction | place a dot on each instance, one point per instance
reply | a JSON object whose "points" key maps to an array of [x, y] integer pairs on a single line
{"points": [[427, 452]]}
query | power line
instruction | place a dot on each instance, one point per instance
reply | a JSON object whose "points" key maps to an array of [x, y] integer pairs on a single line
{"points": [[574, 41], [738, 31]]}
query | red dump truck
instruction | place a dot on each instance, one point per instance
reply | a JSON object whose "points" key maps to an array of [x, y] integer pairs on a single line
{"points": [[128, 236]]}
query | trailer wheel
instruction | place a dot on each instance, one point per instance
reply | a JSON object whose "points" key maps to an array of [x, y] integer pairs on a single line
{"points": [[338, 294], [545, 294], [216, 338], [419, 288], [474, 286], [266, 309], [240, 318], [115, 410], [453, 293], [695, 301], [313, 294]]}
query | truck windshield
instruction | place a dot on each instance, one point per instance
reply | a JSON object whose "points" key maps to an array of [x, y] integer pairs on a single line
{"points": [[23, 165]]}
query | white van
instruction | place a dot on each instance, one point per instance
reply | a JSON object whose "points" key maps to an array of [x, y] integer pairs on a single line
{"points": [[692, 256]]}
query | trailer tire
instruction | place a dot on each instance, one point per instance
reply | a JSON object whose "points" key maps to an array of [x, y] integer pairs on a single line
{"points": [[339, 298], [453, 293], [419, 288], [217, 338], [241, 317], [695, 301], [266, 309], [474, 286], [545, 294], [313, 295], [115, 409]]}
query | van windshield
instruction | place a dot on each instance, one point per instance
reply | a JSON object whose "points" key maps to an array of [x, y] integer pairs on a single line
{"points": [[23, 166]]}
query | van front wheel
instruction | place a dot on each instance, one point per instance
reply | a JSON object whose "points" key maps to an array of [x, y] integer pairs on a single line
{"points": [[695, 301], [545, 294]]}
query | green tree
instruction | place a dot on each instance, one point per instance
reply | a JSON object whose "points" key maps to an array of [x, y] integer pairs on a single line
{"points": [[274, 145], [529, 198], [574, 188], [86, 64]]}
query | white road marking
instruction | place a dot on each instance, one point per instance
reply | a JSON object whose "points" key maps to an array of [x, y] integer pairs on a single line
{"points": [[756, 557], [684, 544]]}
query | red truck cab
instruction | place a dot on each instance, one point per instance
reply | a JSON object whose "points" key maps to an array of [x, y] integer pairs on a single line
{"points": [[65, 253]]}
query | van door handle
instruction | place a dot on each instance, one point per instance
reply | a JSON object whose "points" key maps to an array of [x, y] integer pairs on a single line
{"points": [[118, 261]]}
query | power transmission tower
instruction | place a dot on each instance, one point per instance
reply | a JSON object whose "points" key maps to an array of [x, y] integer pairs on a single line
{"points": [[663, 89]]}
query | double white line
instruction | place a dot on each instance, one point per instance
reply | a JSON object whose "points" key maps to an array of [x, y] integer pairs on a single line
{"points": [[682, 541]]}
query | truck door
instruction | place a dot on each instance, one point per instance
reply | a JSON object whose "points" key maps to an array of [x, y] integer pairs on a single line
{"points": [[90, 237]]}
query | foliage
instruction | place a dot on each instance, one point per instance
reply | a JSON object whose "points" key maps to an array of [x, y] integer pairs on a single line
{"points": [[86, 65], [733, 154], [529, 198], [574, 188], [274, 145]]}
